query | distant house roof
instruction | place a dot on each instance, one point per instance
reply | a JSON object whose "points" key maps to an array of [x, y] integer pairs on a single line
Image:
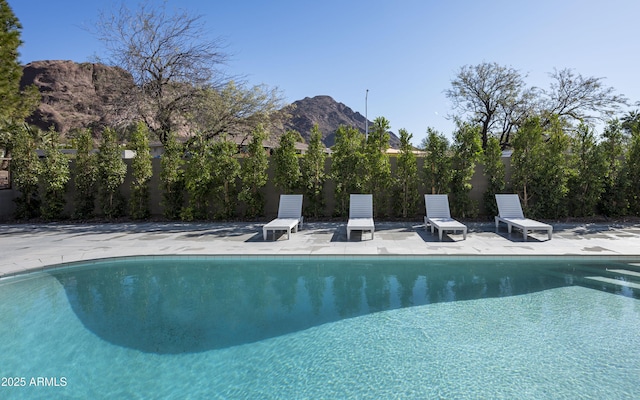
{"points": [[393, 151]]}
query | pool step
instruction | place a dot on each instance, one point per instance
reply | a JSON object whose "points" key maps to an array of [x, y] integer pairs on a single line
{"points": [[615, 282], [623, 276], [635, 274], [616, 279]]}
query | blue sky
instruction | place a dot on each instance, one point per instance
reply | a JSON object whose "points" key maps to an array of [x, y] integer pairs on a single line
{"points": [[404, 52]]}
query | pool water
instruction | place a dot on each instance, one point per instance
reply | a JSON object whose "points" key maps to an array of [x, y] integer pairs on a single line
{"points": [[385, 327]]}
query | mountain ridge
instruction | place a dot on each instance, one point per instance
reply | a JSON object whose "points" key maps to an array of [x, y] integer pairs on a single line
{"points": [[329, 115], [77, 95]]}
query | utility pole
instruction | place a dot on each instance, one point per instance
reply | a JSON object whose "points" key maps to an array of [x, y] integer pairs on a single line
{"points": [[366, 118]]}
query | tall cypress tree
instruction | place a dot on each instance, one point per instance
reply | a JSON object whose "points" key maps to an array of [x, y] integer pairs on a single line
{"points": [[467, 151], [172, 177], [54, 175], [111, 174], [313, 173], [347, 166], [141, 171], [406, 179], [287, 169], [437, 163], [26, 169], [86, 170], [15, 105], [253, 174], [613, 201], [378, 166], [494, 170]]}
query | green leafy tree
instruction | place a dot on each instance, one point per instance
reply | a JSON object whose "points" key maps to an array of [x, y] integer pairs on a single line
{"points": [[236, 108], [85, 175], [111, 174], [172, 177], [632, 167], [25, 169], [540, 167], [226, 170], [586, 182], [313, 173], [15, 105], [406, 178], [494, 170], [467, 151], [526, 160], [141, 171], [554, 179], [377, 166], [54, 176], [613, 201], [347, 167], [198, 180], [437, 163], [287, 166], [253, 175]]}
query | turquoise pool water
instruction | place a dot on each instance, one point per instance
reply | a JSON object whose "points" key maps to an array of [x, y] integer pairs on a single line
{"points": [[382, 327]]}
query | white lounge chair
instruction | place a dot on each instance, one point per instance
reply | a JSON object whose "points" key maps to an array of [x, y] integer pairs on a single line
{"points": [[511, 214], [360, 214], [289, 216], [439, 216]]}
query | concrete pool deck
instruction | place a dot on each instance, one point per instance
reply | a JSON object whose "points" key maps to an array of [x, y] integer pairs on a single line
{"points": [[26, 247]]}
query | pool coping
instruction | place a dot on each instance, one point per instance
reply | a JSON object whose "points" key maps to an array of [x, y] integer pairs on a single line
{"points": [[37, 247], [337, 257]]}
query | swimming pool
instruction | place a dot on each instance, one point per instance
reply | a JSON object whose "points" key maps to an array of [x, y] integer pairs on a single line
{"points": [[372, 327]]}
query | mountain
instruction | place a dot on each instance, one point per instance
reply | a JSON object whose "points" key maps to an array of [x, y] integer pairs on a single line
{"points": [[73, 95], [329, 115], [78, 95]]}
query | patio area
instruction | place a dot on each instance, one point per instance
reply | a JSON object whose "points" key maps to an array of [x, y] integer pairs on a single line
{"points": [[35, 246]]}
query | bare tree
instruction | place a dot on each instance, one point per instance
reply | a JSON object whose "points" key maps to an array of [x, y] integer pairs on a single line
{"points": [[170, 56], [494, 96], [514, 113], [582, 99]]}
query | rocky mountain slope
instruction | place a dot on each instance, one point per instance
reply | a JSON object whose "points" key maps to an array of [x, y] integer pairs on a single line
{"points": [[73, 95], [77, 95], [329, 115]]}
